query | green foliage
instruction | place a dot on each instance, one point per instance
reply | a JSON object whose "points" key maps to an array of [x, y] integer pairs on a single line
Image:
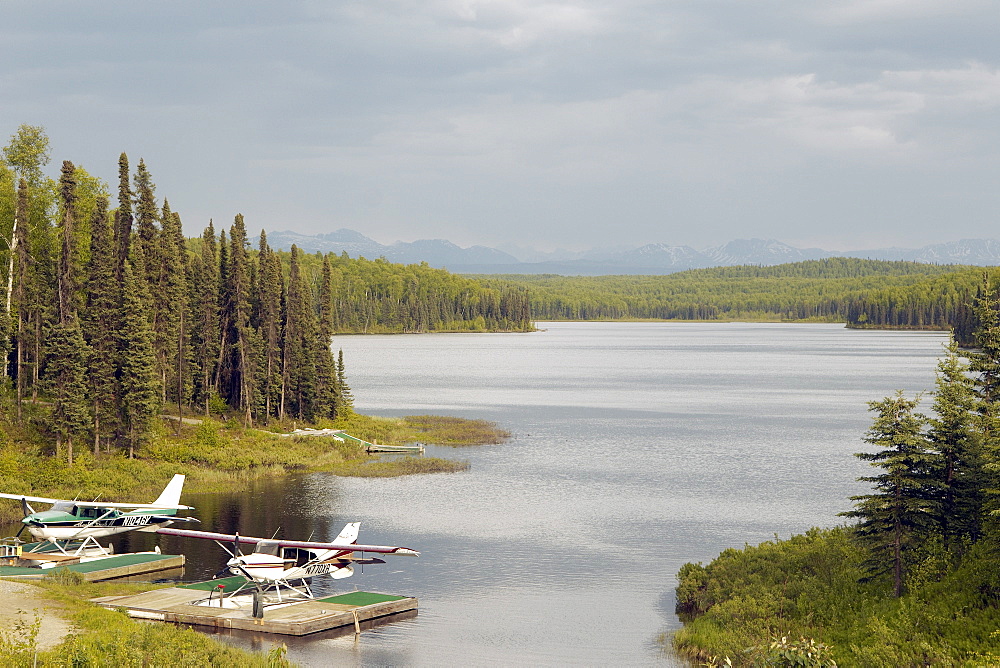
{"points": [[27, 152], [180, 322], [899, 512], [925, 522], [64, 576], [863, 293], [19, 642], [806, 587], [789, 653], [379, 297]]}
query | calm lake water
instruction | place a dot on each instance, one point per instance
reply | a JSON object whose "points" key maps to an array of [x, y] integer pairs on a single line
{"points": [[636, 447]]}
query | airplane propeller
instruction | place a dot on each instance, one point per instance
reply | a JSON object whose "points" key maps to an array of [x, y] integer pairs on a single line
{"points": [[28, 510]]}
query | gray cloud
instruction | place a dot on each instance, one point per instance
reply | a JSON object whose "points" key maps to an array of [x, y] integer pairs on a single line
{"points": [[549, 123]]}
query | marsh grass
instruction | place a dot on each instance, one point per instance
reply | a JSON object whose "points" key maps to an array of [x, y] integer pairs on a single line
{"points": [[443, 430]]}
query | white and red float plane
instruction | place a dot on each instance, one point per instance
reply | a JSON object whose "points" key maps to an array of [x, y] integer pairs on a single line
{"points": [[275, 564]]}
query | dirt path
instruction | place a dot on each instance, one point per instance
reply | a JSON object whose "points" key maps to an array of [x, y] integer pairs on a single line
{"points": [[23, 602]]}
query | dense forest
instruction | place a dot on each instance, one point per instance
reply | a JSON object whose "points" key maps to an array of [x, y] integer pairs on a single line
{"points": [[863, 293], [913, 579], [110, 315], [377, 296]]}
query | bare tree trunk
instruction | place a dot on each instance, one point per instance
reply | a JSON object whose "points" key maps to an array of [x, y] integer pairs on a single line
{"points": [[180, 376], [20, 369]]}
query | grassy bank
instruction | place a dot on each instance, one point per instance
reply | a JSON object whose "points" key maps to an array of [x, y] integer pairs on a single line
{"points": [[781, 601], [111, 638], [224, 455]]}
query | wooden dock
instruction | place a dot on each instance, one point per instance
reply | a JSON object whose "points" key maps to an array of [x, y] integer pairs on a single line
{"points": [[186, 604], [117, 566]]}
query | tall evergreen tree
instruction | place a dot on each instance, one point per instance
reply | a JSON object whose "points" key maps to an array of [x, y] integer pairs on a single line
{"points": [[123, 219], [954, 438], [205, 334], [66, 289], [222, 370], [899, 512], [140, 389], [237, 309], [101, 323], [65, 373], [66, 350], [298, 364], [147, 229], [344, 396], [271, 287]]}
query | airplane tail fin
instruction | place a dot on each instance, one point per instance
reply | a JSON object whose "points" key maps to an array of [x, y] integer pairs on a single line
{"points": [[349, 535], [171, 495]]}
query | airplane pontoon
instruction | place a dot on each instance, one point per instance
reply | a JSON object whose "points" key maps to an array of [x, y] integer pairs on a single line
{"points": [[277, 565]]}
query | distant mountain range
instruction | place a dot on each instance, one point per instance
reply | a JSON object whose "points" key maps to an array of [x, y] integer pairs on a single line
{"points": [[658, 258]]}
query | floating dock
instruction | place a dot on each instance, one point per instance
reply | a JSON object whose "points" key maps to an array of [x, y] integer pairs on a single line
{"points": [[104, 568], [198, 604], [341, 435]]}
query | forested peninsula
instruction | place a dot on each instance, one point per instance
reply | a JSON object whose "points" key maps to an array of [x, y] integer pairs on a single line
{"points": [[913, 579], [133, 352]]}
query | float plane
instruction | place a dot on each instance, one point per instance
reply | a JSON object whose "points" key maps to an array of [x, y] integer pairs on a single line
{"points": [[74, 524], [275, 564]]}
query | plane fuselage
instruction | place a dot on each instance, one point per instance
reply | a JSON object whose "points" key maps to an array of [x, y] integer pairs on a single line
{"points": [[67, 521]]}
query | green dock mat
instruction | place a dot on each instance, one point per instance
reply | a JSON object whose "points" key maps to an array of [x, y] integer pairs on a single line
{"points": [[229, 584], [87, 566], [361, 598], [20, 571], [117, 562]]}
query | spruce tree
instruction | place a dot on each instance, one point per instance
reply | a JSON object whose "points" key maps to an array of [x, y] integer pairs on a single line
{"points": [[205, 315], [101, 323], [954, 439], [237, 308], [123, 219], [66, 290], [65, 375], [301, 331], [66, 351], [140, 391], [147, 229], [345, 397], [899, 512], [271, 287]]}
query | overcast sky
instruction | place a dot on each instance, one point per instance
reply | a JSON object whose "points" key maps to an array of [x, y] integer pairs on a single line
{"points": [[555, 124]]}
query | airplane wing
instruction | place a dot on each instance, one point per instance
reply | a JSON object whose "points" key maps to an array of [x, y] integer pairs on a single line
{"points": [[123, 506], [32, 499], [308, 545], [94, 504]]}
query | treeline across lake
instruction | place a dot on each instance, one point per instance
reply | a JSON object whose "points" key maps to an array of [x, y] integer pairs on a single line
{"points": [[863, 293], [111, 314]]}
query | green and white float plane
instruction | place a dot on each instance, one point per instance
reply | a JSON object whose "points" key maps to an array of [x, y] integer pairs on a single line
{"points": [[74, 524]]}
